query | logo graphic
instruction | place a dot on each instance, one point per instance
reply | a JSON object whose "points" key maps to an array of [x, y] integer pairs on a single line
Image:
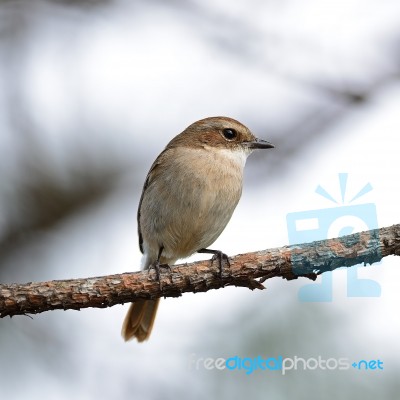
{"points": [[311, 225]]}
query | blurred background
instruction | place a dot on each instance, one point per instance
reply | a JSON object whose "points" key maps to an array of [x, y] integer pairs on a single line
{"points": [[91, 92]]}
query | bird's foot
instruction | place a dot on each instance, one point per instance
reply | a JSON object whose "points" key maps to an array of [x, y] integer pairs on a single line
{"points": [[157, 268], [217, 256]]}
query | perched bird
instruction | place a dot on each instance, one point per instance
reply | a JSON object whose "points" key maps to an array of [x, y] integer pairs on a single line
{"points": [[188, 197]]}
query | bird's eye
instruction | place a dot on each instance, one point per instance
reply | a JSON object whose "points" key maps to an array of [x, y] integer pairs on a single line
{"points": [[229, 134]]}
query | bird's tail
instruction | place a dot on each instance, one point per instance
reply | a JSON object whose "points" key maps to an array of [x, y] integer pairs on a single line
{"points": [[139, 321]]}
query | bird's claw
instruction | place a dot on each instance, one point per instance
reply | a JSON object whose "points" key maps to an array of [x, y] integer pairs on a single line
{"points": [[217, 256], [221, 258], [157, 267]]}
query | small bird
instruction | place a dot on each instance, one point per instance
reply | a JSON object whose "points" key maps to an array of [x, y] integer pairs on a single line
{"points": [[188, 198]]}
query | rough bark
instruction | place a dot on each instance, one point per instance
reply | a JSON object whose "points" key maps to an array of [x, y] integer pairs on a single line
{"points": [[247, 270]]}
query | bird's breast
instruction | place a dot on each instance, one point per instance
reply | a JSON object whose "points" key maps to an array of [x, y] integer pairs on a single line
{"points": [[189, 199]]}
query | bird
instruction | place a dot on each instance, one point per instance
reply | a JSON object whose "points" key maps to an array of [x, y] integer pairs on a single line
{"points": [[188, 198]]}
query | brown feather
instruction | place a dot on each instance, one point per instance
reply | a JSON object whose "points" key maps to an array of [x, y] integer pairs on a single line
{"points": [[139, 320]]}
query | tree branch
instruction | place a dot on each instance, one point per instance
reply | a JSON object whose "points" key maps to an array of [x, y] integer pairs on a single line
{"points": [[247, 270]]}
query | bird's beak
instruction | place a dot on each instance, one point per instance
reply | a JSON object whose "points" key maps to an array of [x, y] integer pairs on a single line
{"points": [[260, 144]]}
